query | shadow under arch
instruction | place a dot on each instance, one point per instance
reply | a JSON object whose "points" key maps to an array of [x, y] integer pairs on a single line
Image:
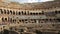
{"points": [[5, 31], [38, 32]]}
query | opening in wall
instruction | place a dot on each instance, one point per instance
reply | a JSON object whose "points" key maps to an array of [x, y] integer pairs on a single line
{"points": [[19, 13], [39, 13], [33, 13], [59, 11], [7, 11], [19, 20], [2, 19], [5, 19], [4, 11], [10, 11], [30, 13], [13, 13], [58, 20], [22, 12], [42, 12], [36, 13], [25, 19], [1, 11], [56, 12], [25, 13]]}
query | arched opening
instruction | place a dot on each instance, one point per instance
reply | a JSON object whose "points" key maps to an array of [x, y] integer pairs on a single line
{"points": [[30, 13], [5, 19], [22, 12], [19, 20], [7, 11], [10, 19], [13, 21], [21, 30], [56, 12], [4, 11], [5, 31], [1, 11], [42, 12], [36, 13], [13, 12], [2, 19], [53, 25], [23, 21], [10, 11], [39, 13], [19, 13], [38, 32], [58, 20], [25, 13], [59, 11], [33, 13]]}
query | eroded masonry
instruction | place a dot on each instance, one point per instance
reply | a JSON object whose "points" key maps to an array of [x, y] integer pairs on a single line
{"points": [[29, 18]]}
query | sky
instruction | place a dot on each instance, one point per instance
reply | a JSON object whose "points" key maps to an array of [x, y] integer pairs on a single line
{"points": [[28, 1]]}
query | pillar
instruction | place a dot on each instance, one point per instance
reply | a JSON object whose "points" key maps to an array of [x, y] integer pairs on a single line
{"points": [[37, 21]]}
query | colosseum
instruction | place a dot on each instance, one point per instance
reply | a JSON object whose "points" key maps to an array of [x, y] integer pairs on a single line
{"points": [[30, 18]]}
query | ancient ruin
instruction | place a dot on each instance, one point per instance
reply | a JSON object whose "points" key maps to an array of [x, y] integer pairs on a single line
{"points": [[30, 18]]}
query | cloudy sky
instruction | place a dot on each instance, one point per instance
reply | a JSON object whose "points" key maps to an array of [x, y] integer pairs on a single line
{"points": [[28, 1]]}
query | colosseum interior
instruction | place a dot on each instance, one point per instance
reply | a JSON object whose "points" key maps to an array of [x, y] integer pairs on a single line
{"points": [[30, 18]]}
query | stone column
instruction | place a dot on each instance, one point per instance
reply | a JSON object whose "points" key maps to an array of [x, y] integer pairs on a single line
{"points": [[37, 21]]}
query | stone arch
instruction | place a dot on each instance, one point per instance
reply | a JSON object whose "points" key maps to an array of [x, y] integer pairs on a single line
{"points": [[1, 11], [5, 31], [7, 11], [38, 32], [13, 12], [4, 11], [19, 13]]}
